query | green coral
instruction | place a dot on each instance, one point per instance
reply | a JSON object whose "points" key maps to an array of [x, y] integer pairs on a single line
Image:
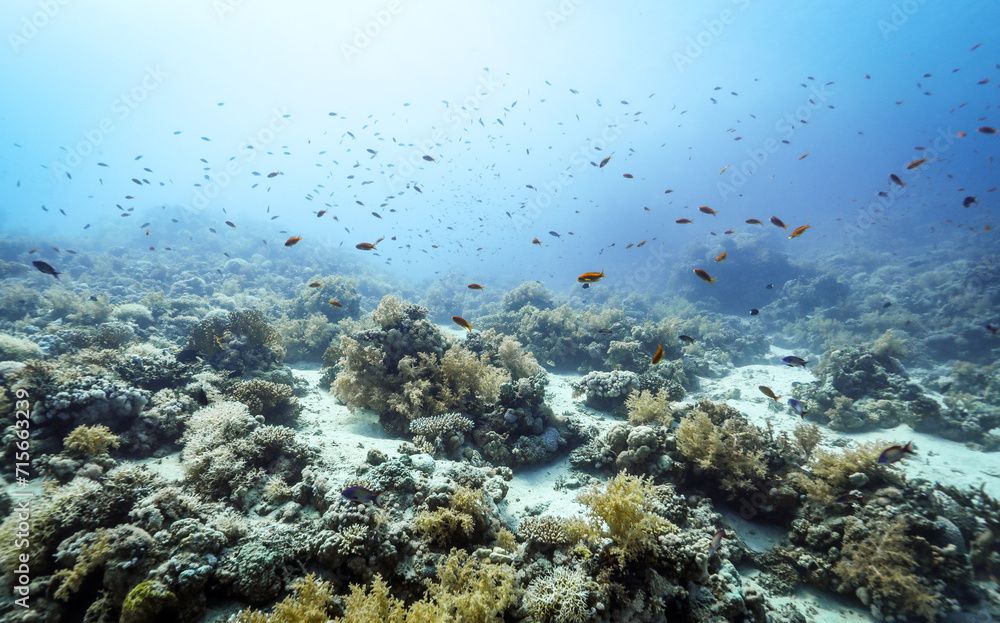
{"points": [[14, 348], [148, 602]]}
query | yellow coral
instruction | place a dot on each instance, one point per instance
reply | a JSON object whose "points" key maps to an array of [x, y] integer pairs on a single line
{"points": [[91, 440], [646, 407], [731, 451], [624, 510], [310, 603]]}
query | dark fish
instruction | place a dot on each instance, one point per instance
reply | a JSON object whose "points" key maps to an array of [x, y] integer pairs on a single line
{"points": [[361, 495], [231, 224], [798, 408], [186, 355], [792, 360], [769, 286], [895, 453], [87, 226], [886, 305], [552, 233], [274, 174], [754, 311], [686, 338], [968, 201], [605, 331], [849, 498], [376, 215], [45, 268]]}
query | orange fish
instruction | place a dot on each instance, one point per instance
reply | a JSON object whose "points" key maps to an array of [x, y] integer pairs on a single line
{"points": [[915, 164], [462, 322], [335, 303], [658, 356], [683, 221], [315, 284], [723, 169], [704, 276], [707, 210], [962, 135], [764, 389], [536, 241], [294, 240], [895, 178], [803, 155], [627, 176], [799, 231], [475, 286], [640, 244], [368, 246], [777, 222], [590, 277], [729, 231], [752, 221], [604, 162], [721, 258], [320, 213]]}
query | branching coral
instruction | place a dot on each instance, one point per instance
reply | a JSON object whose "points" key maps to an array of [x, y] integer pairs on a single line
{"points": [[559, 597], [241, 342], [831, 471], [883, 563], [548, 530], [91, 440], [726, 445], [272, 400], [648, 408], [310, 602], [625, 511]]}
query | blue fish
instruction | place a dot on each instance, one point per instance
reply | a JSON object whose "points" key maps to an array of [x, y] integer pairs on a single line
{"points": [[361, 495], [797, 407], [792, 360]]}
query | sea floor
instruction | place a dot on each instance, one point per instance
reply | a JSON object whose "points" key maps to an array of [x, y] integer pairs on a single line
{"points": [[344, 439]]}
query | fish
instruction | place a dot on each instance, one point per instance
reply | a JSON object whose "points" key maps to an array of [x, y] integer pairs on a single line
{"points": [[895, 453], [294, 240], [462, 322], [590, 277], [849, 498], [993, 330], [769, 286], [231, 224], [805, 154], [707, 210], [792, 360], [320, 213], [658, 355], [896, 180], [554, 233], [764, 389], [716, 542], [887, 305], [315, 284], [753, 221], [361, 495], [799, 231], [46, 268], [274, 174], [605, 331], [368, 246], [686, 339], [475, 286], [915, 164], [604, 162], [429, 158], [334, 303], [704, 276], [186, 355], [986, 130], [754, 311], [725, 167], [627, 176], [536, 241], [777, 222], [721, 257], [683, 221], [798, 408], [376, 215], [968, 201]]}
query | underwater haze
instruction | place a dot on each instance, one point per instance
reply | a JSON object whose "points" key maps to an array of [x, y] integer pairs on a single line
{"points": [[557, 311]]}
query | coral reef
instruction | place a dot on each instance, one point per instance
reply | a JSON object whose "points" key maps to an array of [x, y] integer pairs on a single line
{"points": [[725, 445], [241, 341], [274, 401]]}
